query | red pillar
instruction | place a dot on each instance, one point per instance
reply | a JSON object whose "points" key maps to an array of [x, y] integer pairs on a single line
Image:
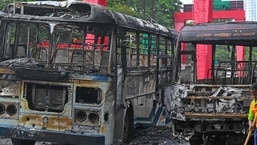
{"points": [[240, 53], [202, 14], [90, 37], [101, 2]]}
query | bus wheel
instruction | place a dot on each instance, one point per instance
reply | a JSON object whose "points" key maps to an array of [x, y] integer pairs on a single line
{"points": [[128, 129], [16, 141]]}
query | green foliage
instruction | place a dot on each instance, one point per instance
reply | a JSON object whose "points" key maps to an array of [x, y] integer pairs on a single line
{"points": [[254, 53], [119, 7], [222, 53], [160, 11], [4, 3]]}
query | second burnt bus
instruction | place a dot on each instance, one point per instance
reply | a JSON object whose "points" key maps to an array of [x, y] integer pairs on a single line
{"points": [[213, 109]]}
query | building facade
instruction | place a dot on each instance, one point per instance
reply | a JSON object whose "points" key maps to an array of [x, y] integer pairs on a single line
{"points": [[250, 7]]}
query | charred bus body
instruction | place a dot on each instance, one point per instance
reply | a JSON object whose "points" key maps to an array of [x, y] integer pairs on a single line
{"points": [[214, 108], [77, 73]]}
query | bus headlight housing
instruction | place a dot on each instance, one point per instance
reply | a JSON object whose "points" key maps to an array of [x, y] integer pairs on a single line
{"points": [[2, 109], [80, 115], [93, 117], [86, 117], [11, 109]]}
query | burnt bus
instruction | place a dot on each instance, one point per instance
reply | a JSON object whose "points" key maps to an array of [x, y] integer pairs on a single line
{"points": [[78, 73], [213, 110]]}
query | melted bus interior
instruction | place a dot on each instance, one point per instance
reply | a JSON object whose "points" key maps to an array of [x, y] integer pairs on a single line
{"points": [[216, 106]]}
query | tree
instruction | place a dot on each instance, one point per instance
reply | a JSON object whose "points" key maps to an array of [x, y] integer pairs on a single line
{"points": [[160, 11], [4, 3], [122, 8]]}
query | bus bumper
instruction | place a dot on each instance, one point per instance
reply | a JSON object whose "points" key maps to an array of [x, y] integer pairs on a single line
{"points": [[51, 136]]}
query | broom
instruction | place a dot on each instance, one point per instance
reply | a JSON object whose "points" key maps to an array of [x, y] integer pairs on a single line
{"points": [[250, 131]]}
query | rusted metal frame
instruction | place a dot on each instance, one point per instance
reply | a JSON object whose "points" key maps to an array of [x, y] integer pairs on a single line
{"points": [[250, 53], [137, 51], [218, 86], [213, 63], [102, 45], [28, 42], [233, 51], [172, 56], [136, 72], [176, 60], [216, 115], [22, 9], [140, 95], [14, 7], [88, 45], [194, 60], [250, 71], [37, 39], [84, 52], [247, 68], [157, 61], [112, 68], [200, 93], [187, 52], [94, 49], [218, 97], [50, 49], [172, 47], [6, 43], [2, 37], [157, 53], [149, 49], [124, 57], [252, 65], [166, 53], [17, 34]]}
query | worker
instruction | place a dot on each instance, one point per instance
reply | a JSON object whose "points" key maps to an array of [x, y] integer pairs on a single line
{"points": [[253, 111]]}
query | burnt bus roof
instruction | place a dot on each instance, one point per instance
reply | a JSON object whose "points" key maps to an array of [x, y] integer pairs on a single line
{"points": [[76, 11], [230, 33]]}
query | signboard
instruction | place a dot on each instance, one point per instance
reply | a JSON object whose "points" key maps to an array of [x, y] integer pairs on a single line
{"points": [[221, 5]]}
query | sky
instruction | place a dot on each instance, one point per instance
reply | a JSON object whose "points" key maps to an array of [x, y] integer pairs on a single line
{"points": [[187, 1]]}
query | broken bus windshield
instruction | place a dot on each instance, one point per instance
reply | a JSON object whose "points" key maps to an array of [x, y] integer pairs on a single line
{"points": [[66, 46]]}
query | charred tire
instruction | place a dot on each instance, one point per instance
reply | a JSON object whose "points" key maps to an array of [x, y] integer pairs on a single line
{"points": [[128, 129], [16, 141]]}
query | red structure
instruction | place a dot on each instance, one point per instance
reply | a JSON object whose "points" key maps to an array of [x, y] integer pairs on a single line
{"points": [[203, 13], [91, 36], [101, 2]]}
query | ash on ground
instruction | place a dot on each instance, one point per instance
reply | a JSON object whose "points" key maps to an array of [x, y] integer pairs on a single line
{"points": [[156, 136], [143, 136]]}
